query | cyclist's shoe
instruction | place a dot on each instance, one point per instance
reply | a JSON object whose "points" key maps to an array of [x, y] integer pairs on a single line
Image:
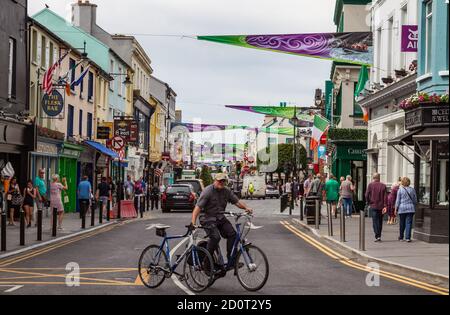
{"points": [[220, 273]]}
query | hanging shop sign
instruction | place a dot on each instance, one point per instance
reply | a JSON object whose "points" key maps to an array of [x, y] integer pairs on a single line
{"points": [[427, 116], [126, 128], [410, 38], [105, 131], [53, 104]]}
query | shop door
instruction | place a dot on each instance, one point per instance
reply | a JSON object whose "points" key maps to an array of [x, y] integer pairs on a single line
{"points": [[68, 169], [359, 178]]}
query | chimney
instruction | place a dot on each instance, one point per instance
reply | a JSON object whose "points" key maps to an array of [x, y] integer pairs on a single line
{"points": [[84, 15]]}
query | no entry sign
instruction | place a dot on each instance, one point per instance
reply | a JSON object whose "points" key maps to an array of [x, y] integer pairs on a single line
{"points": [[117, 143]]}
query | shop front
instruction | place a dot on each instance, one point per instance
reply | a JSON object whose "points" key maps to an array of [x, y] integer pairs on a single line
{"points": [[68, 168], [428, 138], [350, 158]]}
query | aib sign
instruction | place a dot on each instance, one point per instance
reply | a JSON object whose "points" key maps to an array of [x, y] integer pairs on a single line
{"points": [[410, 38], [53, 104]]}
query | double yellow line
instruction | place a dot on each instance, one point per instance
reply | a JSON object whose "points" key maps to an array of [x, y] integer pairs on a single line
{"points": [[346, 261], [34, 253]]}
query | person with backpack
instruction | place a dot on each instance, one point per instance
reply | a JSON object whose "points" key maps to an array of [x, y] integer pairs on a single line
{"points": [[405, 207]]}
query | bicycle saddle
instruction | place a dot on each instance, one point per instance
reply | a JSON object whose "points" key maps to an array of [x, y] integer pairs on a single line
{"points": [[162, 227]]}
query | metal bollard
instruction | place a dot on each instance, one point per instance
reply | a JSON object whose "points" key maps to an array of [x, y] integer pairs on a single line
{"points": [[342, 225], [301, 208], [291, 203], [362, 230], [317, 214], [22, 227], [39, 225], [3, 231], [141, 206], [93, 207], [330, 220], [55, 218], [83, 215], [100, 208], [108, 209]]}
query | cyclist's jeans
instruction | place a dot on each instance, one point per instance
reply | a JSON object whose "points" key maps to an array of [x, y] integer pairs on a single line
{"points": [[220, 228]]}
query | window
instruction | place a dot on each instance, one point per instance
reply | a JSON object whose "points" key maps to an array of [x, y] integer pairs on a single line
{"points": [[80, 123], [442, 174], [70, 121], [72, 72], [424, 187], [43, 51], [50, 55], [404, 21], [390, 27], [428, 35], [12, 69], [120, 84], [378, 55], [89, 126], [34, 53], [81, 84], [90, 86]]}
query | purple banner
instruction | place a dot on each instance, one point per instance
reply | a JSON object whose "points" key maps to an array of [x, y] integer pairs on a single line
{"points": [[410, 38]]}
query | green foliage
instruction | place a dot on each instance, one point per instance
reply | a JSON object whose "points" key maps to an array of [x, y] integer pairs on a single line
{"points": [[285, 157], [348, 134], [205, 176]]}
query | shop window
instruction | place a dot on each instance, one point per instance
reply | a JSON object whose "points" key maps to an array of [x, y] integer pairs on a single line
{"points": [[424, 187], [442, 174]]}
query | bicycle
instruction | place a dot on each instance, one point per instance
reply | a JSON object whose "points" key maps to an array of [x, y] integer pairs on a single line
{"points": [[247, 260], [155, 263]]}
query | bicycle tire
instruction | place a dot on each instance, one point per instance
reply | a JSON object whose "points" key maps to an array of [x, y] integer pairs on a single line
{"points": [[206, 260], [144, 274], [245, 285]]}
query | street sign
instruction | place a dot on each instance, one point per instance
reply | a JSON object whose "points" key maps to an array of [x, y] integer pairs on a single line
{"points": [[127, 128], [104, 131], [118, 143]]}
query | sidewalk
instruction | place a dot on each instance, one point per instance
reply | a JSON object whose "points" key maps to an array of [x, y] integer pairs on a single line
{"points": [[71, 226], [429, 258]]}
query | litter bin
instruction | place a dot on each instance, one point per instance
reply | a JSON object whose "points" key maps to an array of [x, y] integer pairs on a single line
{"points": [[284, 202], [310, 209]]}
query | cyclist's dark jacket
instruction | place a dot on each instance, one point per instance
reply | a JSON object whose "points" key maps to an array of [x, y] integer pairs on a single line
{"points": [[212, 201]]}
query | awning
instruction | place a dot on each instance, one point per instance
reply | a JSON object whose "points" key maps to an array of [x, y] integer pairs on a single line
{"points": [[406, 138], [431, 134], [102, 149]]}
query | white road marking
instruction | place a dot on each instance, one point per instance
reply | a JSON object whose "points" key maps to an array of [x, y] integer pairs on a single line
{"points": [[174, 278], [14, 288]]}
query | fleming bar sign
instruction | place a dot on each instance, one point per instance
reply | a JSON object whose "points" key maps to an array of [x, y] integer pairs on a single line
{"points": [[427, 116]]}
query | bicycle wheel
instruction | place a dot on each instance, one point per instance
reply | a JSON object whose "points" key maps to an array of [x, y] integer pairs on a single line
{"points": [[198, 269], [252, 274], [151, 265]]}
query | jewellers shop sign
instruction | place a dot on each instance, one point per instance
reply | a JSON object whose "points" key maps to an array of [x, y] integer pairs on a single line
{"points": [[53, 104], [427, 116], [127, 128]]}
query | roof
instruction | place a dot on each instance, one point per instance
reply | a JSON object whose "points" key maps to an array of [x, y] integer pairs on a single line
{"points": [[97, 51]]}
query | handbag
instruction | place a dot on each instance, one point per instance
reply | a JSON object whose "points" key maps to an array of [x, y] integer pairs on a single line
{"points": [[66, 198], [17, 199]]}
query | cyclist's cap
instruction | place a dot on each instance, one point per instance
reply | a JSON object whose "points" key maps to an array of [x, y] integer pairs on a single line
{"points": [[221, 176]]}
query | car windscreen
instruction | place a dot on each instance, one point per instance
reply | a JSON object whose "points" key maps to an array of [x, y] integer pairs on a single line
{"points": [[194, 184], [178, 190]]}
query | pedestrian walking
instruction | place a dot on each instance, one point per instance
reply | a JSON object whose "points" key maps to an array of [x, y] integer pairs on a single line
{"points": [[307, 184], [15, 200], [103, 194], [129, 187], [30, 196], [56, 188], [392, 197], [376, 197], [316, 187], [405, 207], [41, 190], [288, 189], [112, 188], [138, 192], [346, 191], [251, 190], [154, 197], [331, 190], [84, 195], [65, 195]]}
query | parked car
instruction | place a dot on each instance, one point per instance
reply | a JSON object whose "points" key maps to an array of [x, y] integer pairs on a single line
{"points": [[272, 192], [197, 184], [178, 197]]}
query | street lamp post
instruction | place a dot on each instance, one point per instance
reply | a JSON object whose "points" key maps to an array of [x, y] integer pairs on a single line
{"points": [[295, 122]]}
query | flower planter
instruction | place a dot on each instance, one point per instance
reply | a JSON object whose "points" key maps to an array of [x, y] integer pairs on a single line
{"points": [[388, 80], [400, 73], [427, 115]]}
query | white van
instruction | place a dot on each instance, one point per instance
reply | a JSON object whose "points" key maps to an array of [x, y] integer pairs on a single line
{"points": [[259, 184]]}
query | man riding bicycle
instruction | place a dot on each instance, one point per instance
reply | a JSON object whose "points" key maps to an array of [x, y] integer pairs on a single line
{"points": [[210, 207]]}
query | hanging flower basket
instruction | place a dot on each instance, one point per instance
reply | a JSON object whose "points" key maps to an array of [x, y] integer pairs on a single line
{"points": [[422, 98]]}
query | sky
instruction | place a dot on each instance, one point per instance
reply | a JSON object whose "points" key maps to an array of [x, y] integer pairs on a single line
{"points": [[207, 75]]}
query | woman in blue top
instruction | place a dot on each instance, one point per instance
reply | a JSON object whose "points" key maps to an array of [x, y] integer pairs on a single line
{"points": [[405, 207]]}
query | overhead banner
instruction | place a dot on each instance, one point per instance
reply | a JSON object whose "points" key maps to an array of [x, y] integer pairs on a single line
{"points": [[410, 38], [287, 131], [355, 47], [306, 115]]}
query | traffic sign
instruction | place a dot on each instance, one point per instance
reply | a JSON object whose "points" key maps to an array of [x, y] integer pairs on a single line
{"points": [[118, 143]]}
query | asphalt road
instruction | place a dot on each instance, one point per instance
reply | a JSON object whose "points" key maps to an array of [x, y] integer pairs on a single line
{"points": [[108, 263]]}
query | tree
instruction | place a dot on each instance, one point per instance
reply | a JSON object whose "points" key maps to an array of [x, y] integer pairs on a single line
{"points": [[285, 158], [205, 175]]}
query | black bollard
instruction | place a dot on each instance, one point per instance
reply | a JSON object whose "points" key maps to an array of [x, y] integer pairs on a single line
{"points": [[93, 213], [301, 208], [3, 231], [140, 204], [83, 211], [120, 196], [22, 227], [108, 209], [39, 225], [55, 218], [100, 208]]}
